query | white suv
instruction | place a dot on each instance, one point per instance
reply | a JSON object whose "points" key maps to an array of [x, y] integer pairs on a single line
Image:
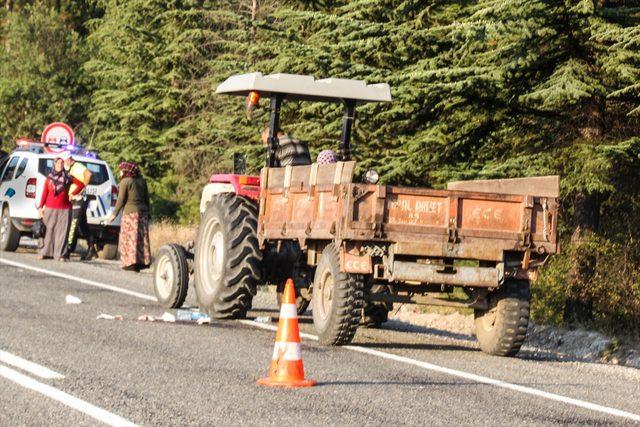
{"points": [[22, 177]]}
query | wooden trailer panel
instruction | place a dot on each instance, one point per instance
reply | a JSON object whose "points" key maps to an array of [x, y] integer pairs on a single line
{"points": [[320, 202]]}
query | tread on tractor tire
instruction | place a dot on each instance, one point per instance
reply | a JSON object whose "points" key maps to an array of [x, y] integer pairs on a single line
{"points": [[502, 328], [9, 234], [227, 264], [109, 251], [337, 300], [171, 276]]}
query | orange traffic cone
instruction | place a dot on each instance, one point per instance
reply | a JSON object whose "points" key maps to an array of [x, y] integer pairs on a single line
{"points": [[286, 366]]}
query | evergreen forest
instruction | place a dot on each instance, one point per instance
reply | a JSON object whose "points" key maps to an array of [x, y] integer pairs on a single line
{"points": [[482, 89]]}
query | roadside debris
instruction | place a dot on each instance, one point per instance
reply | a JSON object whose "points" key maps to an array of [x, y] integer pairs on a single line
{"points": [[146, 318], [167, 317], [190, 315], [262, 319], [204, 320], [109, 317], [70, 299]]}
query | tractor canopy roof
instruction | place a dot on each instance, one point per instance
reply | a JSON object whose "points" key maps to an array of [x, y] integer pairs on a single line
{"points": [[300, 87]]}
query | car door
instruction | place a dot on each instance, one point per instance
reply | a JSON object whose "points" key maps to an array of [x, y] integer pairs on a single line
{"points": [[7, 191], [21, 205]]}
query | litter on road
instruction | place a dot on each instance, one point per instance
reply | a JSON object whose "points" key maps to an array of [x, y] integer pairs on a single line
{"points": [[70, 299], [109, 317], [146, 318], [168, 317], [263, 319], [190, 315]]}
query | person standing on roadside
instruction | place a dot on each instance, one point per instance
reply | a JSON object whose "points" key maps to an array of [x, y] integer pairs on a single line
{"points": [[80, 176], [55, 211], [133, 201]]}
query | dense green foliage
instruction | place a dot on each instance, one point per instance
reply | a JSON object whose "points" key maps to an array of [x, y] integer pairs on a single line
{"points": [[482, 89]]}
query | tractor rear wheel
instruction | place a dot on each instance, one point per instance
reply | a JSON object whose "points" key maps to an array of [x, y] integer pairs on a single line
{"points": [[227, 256], [502, 328], [337, 300]]}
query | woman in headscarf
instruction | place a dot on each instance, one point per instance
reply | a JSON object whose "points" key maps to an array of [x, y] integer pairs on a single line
{"points": [[326, 157], [55, 211], [133, 201]]}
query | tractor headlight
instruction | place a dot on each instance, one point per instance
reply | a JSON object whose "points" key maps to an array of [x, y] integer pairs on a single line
{"points": [[371, 177]]}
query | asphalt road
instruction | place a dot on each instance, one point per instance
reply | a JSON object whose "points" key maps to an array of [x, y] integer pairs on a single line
{"points": [[154, 373]]}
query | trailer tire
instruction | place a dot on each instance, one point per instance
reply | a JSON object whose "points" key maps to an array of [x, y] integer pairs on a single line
{"points": [[9, 234], [171, 276], [502, 328], [227, 256], [337, 300]]}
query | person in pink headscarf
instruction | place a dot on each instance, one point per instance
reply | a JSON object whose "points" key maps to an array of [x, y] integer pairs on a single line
{"points": [[326, 157]]}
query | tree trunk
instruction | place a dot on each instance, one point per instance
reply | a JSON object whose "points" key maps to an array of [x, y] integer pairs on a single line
{"points": [[254, 14], [586, 220], [579, 305]]}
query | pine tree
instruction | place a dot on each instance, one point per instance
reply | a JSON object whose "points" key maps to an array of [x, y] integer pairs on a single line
{"points": [[41, 80]]}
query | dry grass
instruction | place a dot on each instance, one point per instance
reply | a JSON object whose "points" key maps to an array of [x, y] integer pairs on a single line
{"points": [[163, 232]]}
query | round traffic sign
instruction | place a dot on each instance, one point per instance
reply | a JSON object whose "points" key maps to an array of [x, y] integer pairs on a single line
{"points": [[58, 133]]}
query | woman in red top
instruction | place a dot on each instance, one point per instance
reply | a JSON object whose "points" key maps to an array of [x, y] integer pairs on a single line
{"points": [[55, 210]]}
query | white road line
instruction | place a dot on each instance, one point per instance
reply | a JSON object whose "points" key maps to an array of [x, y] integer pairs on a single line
{"points": [[25, 365], [80, 280], [93, 411], [468, 376], [394, 357]]}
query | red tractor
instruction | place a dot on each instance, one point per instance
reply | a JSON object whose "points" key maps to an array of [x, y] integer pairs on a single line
{"points": [[354, 249]]}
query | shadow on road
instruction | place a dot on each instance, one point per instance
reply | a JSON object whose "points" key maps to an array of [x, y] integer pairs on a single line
{"points": [[415, 346], [409, 383]]}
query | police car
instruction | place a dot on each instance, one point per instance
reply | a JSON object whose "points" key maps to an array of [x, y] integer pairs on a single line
{"points": [[22, 177]]}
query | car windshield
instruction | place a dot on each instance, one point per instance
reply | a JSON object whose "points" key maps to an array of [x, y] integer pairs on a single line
{"points": [[99, 171]]}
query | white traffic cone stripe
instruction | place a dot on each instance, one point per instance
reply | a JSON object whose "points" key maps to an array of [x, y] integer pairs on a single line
{"points": [[287, 351], [288, 311]]}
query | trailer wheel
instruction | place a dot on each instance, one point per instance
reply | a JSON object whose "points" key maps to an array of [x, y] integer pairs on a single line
{"points": [[9, 234], [227, 256], [171, 276], [501, 329], [337, 300]]}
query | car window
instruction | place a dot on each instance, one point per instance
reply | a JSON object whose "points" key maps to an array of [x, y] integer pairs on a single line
{"points": [[11, 167], [22, 167], [3, 163], [99, 171]]}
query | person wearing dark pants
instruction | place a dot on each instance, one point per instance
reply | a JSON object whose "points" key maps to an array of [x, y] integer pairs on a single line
{"points": [[79, 223], [81, 176]]}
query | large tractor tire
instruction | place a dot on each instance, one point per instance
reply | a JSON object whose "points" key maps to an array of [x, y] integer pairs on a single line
{"points": [[9, 234], [337, 300], [227, 256], [502, 328], [171, 276]]}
